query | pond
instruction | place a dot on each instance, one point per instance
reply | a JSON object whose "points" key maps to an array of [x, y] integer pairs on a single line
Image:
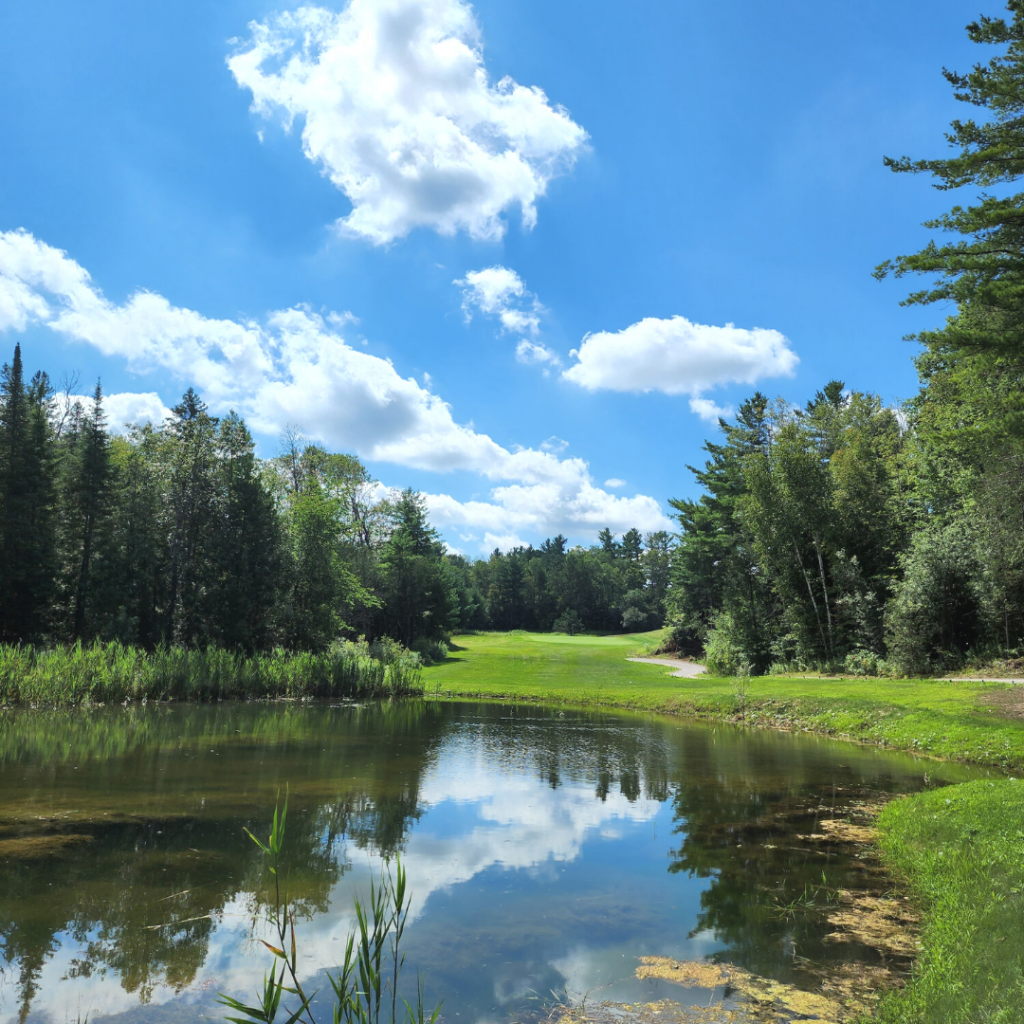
{"points": [[546, 851]]}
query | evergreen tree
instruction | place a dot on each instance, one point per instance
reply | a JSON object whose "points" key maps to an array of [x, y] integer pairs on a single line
{"points": [[89, 512], [27, 557], [189, 456], [247, 552]]}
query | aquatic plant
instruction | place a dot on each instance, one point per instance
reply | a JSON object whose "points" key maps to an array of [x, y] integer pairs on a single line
{"points": [[366, 983], [113, 673]]}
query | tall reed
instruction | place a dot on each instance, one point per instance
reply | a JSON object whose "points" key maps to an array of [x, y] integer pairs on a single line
{"points": [[365, 984], [112, 672]]}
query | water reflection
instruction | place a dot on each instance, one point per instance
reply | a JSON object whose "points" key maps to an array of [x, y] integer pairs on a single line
{"points": [[544, 850]]}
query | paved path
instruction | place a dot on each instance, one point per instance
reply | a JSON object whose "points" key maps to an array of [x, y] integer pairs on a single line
{"points": [[683, 669], [983, 679]]}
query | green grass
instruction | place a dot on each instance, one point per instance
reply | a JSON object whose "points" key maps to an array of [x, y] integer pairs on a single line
{"points": [[113, 673], [959, 850], [940, 718]]}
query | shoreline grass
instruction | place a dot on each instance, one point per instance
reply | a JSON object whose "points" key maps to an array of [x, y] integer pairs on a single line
{"points": [[946, 719], [959, 850], [113, 673]]}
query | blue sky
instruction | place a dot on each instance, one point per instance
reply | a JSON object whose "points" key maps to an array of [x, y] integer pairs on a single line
{"points": [[269, 203]]}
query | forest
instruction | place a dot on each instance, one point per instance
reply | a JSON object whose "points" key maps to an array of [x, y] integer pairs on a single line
{"points": [[178, 535], [845, 534], [851, 535]]}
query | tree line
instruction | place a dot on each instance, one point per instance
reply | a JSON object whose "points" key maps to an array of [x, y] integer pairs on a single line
{"points": [[179, 535], [849, 534]]}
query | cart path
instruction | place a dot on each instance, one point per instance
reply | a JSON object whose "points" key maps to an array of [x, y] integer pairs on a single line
{"points": [[683, 669]]}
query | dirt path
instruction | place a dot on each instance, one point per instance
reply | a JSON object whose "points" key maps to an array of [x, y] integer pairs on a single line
{"points": [[683, 669]]}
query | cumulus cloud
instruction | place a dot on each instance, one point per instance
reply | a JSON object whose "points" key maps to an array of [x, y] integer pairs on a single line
{"points": [[134, 409], [294, 367], [400, 115], [615, 482], [678, 357], [709, 411], [499, 291]]}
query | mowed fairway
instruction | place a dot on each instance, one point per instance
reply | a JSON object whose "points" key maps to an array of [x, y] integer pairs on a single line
{"points": [[553, 666], [978, 722]]}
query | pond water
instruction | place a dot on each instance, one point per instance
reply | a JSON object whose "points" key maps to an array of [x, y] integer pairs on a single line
{"points": [[545, 850]]}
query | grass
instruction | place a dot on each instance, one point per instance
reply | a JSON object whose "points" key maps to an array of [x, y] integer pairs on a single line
{"points": [[959, 850], [113, 673], [941, 718]]}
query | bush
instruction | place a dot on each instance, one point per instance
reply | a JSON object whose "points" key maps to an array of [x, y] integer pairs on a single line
{"points": [[934, 619], [568, 622], [863, 663], [431, 652], [722, 654]]}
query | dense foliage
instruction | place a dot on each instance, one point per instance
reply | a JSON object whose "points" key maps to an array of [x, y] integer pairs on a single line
{"points": [[610, 587], [850, 535], [179, 536]]}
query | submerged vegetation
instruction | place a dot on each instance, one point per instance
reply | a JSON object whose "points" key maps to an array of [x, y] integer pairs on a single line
{"points": [[112, 673]]}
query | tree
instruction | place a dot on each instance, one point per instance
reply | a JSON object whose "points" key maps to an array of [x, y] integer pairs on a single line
{"points": [[247, 550], [984, 269], [89, 510], [420, 602], [715, 566], [27, 554], [189, 447]]}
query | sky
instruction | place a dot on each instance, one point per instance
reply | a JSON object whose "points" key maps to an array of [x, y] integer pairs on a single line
{"points": [[519, 256]]}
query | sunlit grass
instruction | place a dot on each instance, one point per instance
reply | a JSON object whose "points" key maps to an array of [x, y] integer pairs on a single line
{"points": [[113, 673], [940, 718], [961, 850], [958, 850]]}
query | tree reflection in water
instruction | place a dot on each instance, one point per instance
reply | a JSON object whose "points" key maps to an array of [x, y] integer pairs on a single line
{"points": [[121, 829]]}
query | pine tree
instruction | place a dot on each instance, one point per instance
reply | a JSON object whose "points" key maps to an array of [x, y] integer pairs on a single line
{"points": [[26, 488], [247, 549], [89, 508]]}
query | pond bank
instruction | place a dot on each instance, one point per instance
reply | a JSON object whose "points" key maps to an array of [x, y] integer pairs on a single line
{"points": [[957, 850]]}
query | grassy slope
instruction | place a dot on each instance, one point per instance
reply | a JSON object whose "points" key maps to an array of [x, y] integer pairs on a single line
{"points": [[960, 849], [941, 718]]}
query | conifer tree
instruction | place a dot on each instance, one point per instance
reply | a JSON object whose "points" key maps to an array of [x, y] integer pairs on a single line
{"points": [[90, 506], [26, 528]]}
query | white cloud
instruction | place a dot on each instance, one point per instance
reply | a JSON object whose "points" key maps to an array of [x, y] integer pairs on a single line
{"points": [[615, 482], [532, 353], [554, 444], [679, 357], [710, 411], [499, 291], [134, 409], [292, 367], [400, 114]]}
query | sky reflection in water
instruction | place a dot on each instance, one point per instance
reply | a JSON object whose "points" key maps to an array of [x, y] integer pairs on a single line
{"points": [[545, 851]]}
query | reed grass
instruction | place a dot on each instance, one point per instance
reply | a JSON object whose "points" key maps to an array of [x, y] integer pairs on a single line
{"points": [[104, 673]]}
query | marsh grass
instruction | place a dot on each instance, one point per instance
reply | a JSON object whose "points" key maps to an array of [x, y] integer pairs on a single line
{"points": [[961, 851], [113, 673]]}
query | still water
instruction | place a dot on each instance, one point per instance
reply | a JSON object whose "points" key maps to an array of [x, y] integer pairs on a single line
{"points": [[545, 850]]}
